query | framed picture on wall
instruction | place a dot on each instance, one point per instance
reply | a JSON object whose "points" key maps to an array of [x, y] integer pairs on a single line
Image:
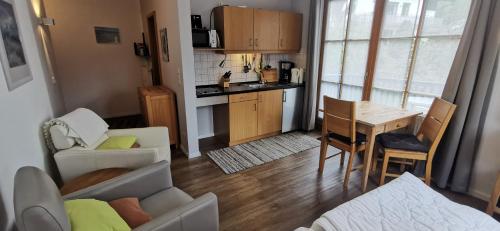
{"points": [[12, 55], [164, 45]]}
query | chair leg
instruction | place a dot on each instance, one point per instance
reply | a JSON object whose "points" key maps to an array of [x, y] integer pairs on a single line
{"points": [[384, 169], [428, 172], [374, 158], [322, 155], [349, 168], [342, 158]]}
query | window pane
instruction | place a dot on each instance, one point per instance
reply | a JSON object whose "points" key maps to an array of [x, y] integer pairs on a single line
{"points": [[445, 17], [355, 62], [433, 63], [335, 29], [361, 17], [352, 93], [391, 67], [387, 97], [332, 61], [328, 89], [399, 18], [419, 103]]}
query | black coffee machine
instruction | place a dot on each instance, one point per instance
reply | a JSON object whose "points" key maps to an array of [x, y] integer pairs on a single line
{"points": [[285, 68]]}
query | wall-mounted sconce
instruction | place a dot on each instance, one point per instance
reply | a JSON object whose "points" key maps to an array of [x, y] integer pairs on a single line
{"points": [[46, 21]]}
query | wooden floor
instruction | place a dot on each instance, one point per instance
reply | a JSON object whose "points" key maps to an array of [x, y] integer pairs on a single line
{"points": [[281, 195]]}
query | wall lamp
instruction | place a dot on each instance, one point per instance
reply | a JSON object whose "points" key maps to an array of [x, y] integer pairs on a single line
{"points": [[46, 21]]}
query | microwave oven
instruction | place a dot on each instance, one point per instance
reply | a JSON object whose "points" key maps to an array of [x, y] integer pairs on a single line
{"points": [[205, 38], [201, 38]]}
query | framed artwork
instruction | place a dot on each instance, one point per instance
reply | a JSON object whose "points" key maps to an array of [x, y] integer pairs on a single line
{"points": [[12, 56], [108, 35], [165, 54]]}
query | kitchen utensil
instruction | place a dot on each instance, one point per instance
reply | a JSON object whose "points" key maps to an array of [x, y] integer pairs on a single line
{"points": [[223, 62]]}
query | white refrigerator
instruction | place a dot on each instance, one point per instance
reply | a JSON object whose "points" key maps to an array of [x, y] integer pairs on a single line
{"points": [[292, 109]]}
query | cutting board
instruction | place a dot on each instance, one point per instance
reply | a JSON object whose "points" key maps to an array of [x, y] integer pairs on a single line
{"points": [[270, 75]]}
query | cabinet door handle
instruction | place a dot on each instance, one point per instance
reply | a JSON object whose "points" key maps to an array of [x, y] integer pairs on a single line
{"points": [[255, 107], [257, 42], [281, 42], [250, 42], [284, 96]]}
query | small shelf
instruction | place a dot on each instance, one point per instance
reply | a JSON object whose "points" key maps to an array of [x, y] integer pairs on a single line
{"points": [[207, 49]]}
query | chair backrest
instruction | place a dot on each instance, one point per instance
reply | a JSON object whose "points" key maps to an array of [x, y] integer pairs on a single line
{"points": [[38, 204], [435, 123], [339, 117]]}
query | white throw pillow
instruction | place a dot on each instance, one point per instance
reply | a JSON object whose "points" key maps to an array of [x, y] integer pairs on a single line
{"points": [[61, 141]]}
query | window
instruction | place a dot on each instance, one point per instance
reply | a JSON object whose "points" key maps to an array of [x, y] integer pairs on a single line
{"points": [[414, 50], [345, 53]]}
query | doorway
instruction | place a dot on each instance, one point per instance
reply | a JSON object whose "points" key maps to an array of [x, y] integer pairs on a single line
{"points": [[155, 56]]}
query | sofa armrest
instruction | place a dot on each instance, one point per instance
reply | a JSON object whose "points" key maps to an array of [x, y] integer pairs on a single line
{"points": [[200, 214], [146, 137], [139, 183], [76, 162]]}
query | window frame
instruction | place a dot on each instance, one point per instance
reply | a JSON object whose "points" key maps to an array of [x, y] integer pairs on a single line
{"points": [[374, 41]]}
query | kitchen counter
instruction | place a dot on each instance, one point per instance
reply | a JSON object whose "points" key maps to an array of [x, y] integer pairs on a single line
{"points": [[236, 88]]}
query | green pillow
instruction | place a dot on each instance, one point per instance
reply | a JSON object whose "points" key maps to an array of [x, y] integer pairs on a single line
{"points": [[91, 215], [118, 142]]}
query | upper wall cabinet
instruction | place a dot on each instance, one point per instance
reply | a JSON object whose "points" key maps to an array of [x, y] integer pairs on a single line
{"points": [[258, 30], [290, 31], [265, 25]]}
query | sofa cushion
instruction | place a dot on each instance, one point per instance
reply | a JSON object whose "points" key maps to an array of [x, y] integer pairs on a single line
{"points": [[130, 210], [91, 214], [118, 142], [165, 201]]}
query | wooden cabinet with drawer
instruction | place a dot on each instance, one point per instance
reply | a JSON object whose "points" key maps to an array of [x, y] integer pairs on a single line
{"points": [[254, 115], [159, 109]]}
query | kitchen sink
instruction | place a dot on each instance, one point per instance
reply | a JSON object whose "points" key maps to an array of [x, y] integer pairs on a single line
{"points": [[255, 85]]}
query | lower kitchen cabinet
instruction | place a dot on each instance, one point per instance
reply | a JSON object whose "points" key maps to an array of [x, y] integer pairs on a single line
{"points": [[270, 110], [254, 115], [242, 120]]}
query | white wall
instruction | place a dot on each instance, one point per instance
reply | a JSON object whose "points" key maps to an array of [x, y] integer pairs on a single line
{"points": [[178, 74], [487, 162], [23, 111], [101, 77]]}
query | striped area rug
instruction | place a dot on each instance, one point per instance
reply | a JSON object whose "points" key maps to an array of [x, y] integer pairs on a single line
{"points": [[244, 156]]}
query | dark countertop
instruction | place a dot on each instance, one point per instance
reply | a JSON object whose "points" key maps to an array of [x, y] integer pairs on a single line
{"points": [[236, 88]]}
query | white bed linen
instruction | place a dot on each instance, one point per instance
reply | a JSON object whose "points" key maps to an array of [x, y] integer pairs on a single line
{"points": [[405, 203]]}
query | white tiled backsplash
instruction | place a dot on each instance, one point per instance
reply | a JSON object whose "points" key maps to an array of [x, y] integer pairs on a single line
{"points": [[207, 70]]}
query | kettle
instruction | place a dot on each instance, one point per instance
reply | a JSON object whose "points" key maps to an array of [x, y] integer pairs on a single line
{"points": [[297, 75]]}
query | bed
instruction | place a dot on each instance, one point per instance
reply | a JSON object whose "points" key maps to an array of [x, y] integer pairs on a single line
{"points": [[405, 203]]}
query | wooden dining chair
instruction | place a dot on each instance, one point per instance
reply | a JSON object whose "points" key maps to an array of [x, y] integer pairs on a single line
{"points": [[495, 195], [339, 130], [420, 147]]}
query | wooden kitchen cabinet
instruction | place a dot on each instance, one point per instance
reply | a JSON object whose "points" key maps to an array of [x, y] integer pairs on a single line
{"points": [[290, 35], [258, 30], [270, 110], [266, 25], [159, 109], [254, 115], [235, 27], [242, 118]]}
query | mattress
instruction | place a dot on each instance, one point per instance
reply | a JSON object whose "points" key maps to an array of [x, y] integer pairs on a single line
{"points": [[405, 203]]}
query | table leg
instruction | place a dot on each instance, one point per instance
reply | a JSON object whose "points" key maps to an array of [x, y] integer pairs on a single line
{"points": [[368, 157]]}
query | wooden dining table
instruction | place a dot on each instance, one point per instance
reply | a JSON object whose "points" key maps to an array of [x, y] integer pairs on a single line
{"points": [[373, 119]]}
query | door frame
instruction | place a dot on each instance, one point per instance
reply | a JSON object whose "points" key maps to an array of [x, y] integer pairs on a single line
{"points": [[157, 48]]}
